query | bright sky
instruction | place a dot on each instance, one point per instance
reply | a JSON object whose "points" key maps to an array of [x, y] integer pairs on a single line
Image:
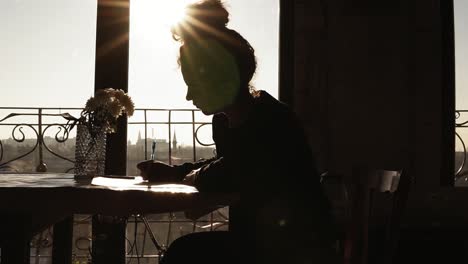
{"points": [[153, 57], [461, 63], [47, 45], [461, 52], [47, 52]]}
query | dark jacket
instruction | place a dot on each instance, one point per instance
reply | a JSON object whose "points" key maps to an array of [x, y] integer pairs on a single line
{"points": [[269, 162]]}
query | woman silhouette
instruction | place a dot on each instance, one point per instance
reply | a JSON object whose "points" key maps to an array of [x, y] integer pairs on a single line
{"points": [[261, 153]]}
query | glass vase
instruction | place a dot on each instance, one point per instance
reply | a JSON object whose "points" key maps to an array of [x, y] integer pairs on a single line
{"points": [[90, 152]]}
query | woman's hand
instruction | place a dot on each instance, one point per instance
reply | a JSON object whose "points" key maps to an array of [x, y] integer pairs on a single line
{"points": [[190, 178], [156, 171]]}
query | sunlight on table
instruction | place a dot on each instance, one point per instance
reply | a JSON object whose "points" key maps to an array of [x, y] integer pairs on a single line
{"points": [[137, 183], [173, 188]]}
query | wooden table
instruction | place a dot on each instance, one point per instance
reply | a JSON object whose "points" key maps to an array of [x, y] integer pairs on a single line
{"points": [[31, 202]]}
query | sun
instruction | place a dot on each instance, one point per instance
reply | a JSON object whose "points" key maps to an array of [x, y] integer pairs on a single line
{"points": [[151, 19], [158, 14], [172, 12]]}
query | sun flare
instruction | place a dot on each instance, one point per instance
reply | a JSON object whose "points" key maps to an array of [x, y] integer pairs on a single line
{"points": [[156, 16], [172, 12], [176, 11]]}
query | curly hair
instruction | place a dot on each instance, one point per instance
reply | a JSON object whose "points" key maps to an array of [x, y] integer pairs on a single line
{"points": [[208, 19]]}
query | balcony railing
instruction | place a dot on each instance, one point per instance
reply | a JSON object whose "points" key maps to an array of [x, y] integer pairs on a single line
{"points": [[32, 130], [46, 125], [38, 139], [461, 125]]}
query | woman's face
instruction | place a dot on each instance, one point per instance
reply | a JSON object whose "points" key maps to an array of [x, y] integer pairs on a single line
{"points": [[211, 75]]}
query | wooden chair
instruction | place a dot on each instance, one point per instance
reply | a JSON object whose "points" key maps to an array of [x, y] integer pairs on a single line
{"points": [[378, 199]]}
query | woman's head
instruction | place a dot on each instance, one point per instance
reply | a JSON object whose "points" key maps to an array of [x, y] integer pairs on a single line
{"points": [[217, 62]]}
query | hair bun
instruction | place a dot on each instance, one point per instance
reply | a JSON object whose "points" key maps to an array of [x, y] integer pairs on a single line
{"points": [[208, 12]]}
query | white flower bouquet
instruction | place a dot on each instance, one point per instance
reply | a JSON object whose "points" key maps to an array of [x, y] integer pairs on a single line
{"points": [[103, 109]]}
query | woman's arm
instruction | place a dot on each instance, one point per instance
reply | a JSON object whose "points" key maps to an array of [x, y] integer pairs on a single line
{"points": [[156, 171], [187, 167]]}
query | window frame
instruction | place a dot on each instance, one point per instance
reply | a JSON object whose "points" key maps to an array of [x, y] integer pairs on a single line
{"points": [[447, 173]]}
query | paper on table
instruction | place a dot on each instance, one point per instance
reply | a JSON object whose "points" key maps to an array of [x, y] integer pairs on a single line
{"points": [[117, 181]]}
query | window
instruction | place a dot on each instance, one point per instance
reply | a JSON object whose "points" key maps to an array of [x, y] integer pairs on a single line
{"points": [[461, 84], [157, 87]]}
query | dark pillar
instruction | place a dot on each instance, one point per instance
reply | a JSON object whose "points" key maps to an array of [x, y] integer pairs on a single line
{"points": [[16, 251], [15, 236], [62, 242], [286, 52], [447, 171], [112, 71], [108, 239]]}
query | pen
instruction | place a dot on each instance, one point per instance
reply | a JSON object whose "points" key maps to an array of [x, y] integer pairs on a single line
{"points": [[153, 150]]}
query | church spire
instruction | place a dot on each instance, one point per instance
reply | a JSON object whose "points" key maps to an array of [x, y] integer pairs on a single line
{"points": [[174, 141]]}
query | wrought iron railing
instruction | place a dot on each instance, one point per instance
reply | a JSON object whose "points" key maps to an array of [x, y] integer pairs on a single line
{"points": [[32, 130], [39, 121], [42, 120], [170, 122], [39, 127], [461, 123]]}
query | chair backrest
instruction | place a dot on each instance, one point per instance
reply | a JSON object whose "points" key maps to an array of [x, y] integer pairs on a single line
{"points": [[335, 189], [377, 201]]}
